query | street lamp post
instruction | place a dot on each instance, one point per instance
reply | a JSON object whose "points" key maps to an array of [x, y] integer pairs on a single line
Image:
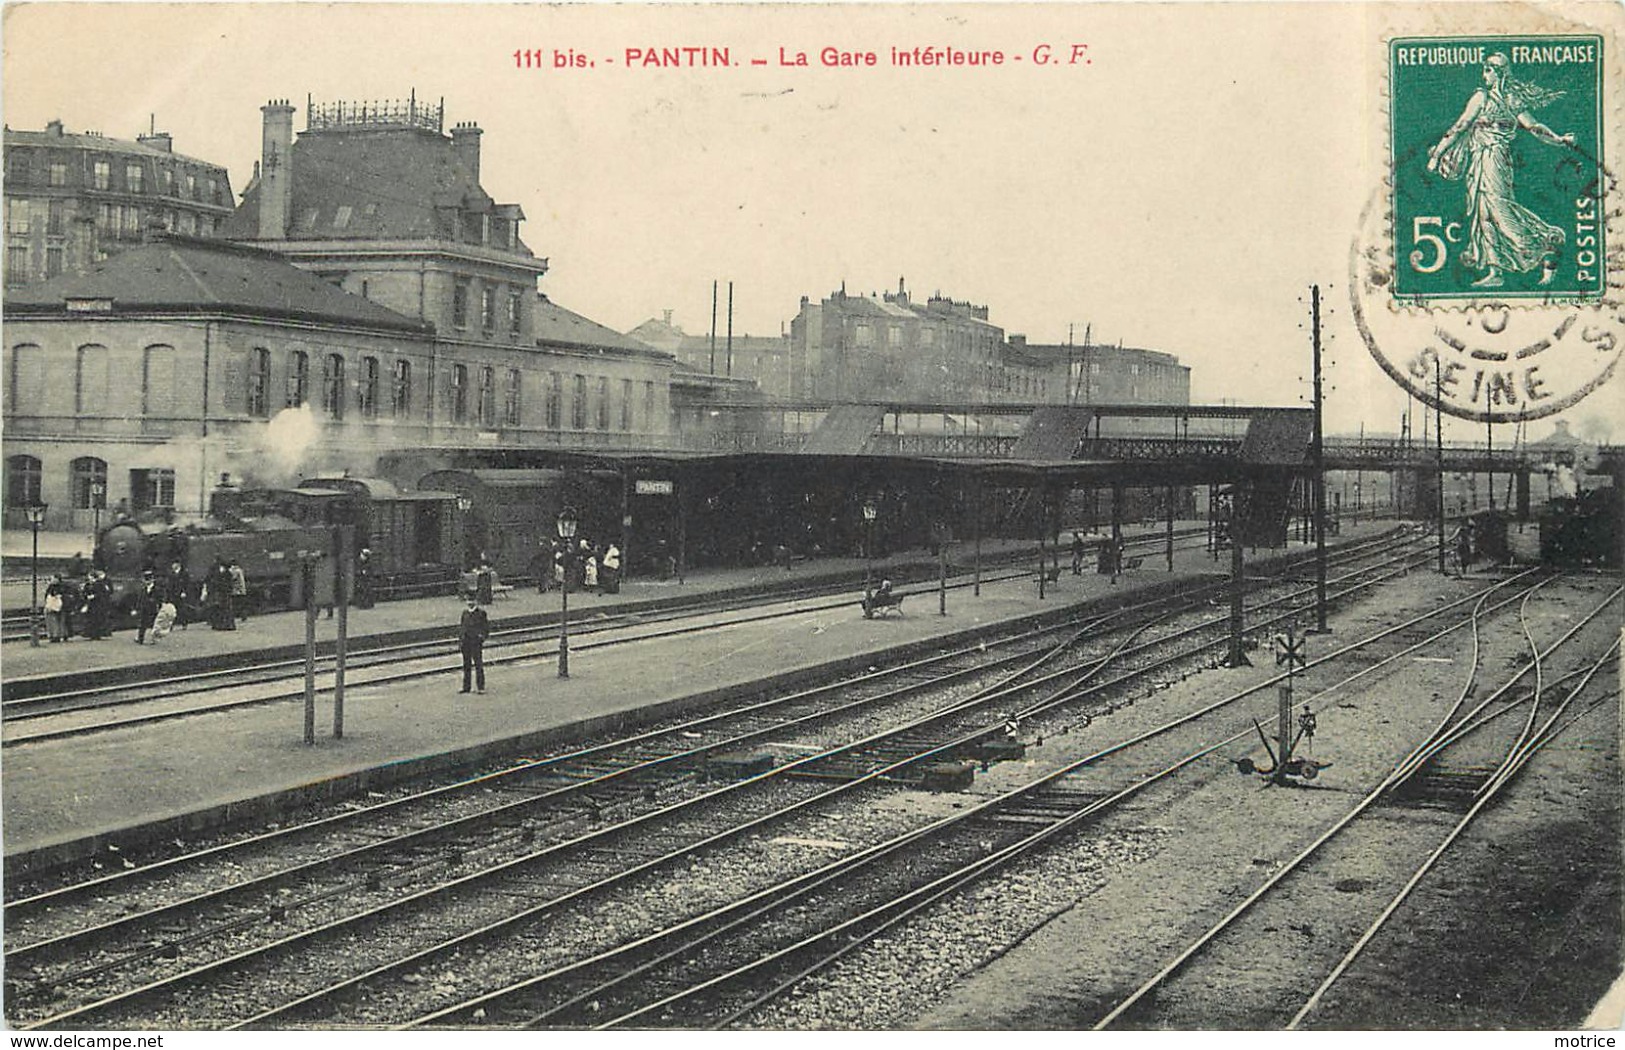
{"points": [[567, 533], [98, 500], [36, 517], [870, 512], [464, 505]]}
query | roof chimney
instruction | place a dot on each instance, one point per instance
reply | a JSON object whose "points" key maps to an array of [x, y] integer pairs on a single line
{"points": [[54, 128], [465, 142], [276, 169], [155, 138], [668, 317]]}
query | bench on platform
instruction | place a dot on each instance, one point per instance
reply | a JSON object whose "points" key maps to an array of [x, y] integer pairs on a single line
{"points": [[468, 586], [881, 602]]}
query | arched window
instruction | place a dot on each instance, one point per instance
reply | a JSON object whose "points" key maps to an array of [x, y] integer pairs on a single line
{"points": [[259, 382], [88, 482], [92, 383], [158, 383], [28, 379], [459, 393], [333, 386], [298, 378], [401, 399], [488, 396], [555, 399], [510, 406], [578, 402], [366, 389], [22, 481]]}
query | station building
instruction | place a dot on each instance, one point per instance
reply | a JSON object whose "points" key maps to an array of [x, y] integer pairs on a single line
{"points": [[73, 200], [134, 386], [370, 296]]}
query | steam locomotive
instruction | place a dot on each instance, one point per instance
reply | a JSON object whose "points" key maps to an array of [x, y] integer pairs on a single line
{"points": [[273, 533]]}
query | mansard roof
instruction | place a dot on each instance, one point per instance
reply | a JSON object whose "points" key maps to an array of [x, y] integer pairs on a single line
{"points": [[374, 184], [186, 275], [93, 142]]}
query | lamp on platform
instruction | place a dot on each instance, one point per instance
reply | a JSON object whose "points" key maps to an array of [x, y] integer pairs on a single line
{"points": [[98, 500], [567, 533], [36, 518], [870, 512]]}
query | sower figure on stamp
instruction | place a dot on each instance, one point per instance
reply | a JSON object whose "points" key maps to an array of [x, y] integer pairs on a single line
{"points": [[1502, 234], [471, 633]]}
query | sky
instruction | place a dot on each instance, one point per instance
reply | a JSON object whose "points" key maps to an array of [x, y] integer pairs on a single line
{"points": [[1179, 187]]}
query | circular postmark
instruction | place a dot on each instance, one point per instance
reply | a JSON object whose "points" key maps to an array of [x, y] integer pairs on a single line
{"points": [[1488, 360]]}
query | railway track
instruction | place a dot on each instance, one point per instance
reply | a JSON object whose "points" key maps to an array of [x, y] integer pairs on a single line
{"points": [[788, 789], [1472, 756], [721, 967]]}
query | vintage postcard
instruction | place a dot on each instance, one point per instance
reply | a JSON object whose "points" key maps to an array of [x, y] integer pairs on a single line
{"points": [[813, 517]]}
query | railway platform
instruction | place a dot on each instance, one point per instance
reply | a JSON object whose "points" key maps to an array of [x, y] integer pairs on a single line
{"points": [[78, 796]]}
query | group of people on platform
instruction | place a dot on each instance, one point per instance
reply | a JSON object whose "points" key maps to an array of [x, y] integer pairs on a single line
{"points": [[78, 607], [590, 567], [82, 601], [1109, 559]]}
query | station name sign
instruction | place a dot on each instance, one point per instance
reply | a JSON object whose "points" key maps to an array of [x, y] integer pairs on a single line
{"points": [[652, 487]]}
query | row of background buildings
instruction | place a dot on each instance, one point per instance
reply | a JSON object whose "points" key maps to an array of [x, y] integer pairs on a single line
{"points": [[367, 294]]}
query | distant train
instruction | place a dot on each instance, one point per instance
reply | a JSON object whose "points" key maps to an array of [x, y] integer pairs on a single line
{"points": [[1582, 531], [271, 533]]}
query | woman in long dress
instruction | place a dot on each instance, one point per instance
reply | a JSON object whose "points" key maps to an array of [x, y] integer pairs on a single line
{"points": [[1503, 235]]}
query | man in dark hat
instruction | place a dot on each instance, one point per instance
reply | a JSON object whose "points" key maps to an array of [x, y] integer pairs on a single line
{"points": [[98, 601], [146, 606], [471, 634], [363, 579]]}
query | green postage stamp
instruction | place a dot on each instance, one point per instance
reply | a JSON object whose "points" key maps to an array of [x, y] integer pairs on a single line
{"points": [[1497, 177]]}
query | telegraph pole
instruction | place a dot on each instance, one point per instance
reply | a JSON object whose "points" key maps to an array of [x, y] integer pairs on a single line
{"points": [[1438, 444], [1319, 466]]}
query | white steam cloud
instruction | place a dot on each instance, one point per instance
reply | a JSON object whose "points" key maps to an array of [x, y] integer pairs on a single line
{"points": [[287, 440]]}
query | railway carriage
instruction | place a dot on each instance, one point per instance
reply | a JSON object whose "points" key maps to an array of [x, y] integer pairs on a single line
{"points": [[506, 513]]}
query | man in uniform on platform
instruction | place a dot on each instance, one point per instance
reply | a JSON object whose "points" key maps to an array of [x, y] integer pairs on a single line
{"points": [[475, 626]]}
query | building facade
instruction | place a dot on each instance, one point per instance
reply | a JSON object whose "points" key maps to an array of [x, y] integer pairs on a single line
{"points": [[73, 200], [1115, 375], [866, 348], [943, 351]]}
